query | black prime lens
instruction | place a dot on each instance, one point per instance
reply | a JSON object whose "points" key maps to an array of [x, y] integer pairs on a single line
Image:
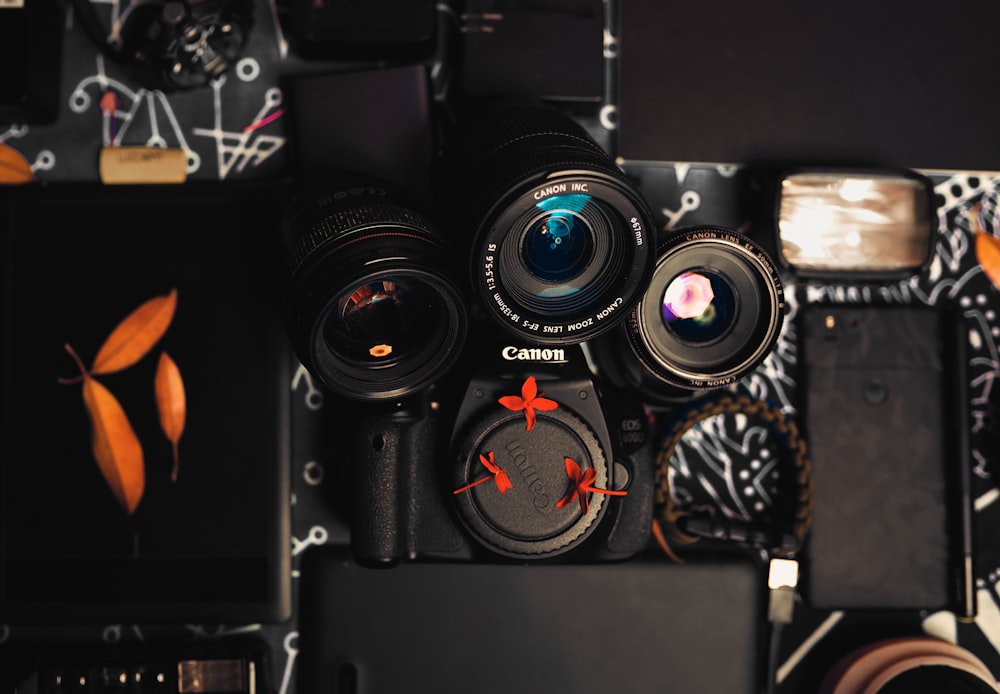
{"points": [[710, 315], [371, 308], [560, 239]]}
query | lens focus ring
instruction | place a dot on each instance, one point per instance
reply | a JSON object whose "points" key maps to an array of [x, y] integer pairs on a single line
{"points": [[324, 224]]}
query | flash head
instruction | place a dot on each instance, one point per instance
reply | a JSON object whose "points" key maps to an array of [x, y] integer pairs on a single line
{"points": [[866, 224]]}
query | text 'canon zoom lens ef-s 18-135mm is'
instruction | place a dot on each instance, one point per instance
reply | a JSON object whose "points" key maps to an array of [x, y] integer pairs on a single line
{"points": [[560, 242]]}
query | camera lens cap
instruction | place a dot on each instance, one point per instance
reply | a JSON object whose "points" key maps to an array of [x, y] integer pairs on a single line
{"points": [[528, 520]]}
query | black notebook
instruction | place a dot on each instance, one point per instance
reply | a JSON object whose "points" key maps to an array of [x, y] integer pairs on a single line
{"points": [[889, 83], [646, 625], [98, 518]]}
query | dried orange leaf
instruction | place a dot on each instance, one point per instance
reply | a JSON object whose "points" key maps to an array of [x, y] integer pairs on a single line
{"points": [[115, 445], [14, 168], [988, 255], [171, 403], [132, 339]]}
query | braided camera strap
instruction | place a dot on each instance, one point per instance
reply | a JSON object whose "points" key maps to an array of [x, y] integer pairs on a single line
{"points": [[794, 451]]}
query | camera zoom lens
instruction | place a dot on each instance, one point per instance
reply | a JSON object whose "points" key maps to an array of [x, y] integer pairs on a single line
{"points": [[699, 306], [562, 244]]}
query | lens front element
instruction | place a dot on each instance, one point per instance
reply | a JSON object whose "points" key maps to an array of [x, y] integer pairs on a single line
{"points": [[561, 267], [371, 307], [557, 247], [699, 306], [384, 320], [561, 239]]}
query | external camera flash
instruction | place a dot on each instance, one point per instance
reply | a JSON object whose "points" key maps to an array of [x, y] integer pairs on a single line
{"points": [[866, 224]]}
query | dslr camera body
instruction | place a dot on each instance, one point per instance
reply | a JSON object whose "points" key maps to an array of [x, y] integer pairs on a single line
{"points": [[519, 455]]}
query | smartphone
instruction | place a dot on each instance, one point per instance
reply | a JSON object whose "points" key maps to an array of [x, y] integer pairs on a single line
{"points": [[875, 401]]}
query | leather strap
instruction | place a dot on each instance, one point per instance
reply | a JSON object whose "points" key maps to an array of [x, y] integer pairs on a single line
{"points": [[682, 527]]}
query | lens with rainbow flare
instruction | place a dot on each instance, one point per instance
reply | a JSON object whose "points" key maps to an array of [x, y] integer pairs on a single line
{"points": [[710, 315], [699, 306]]}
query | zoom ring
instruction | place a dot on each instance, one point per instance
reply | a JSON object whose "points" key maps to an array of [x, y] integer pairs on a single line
{"points": [[513, 124]]}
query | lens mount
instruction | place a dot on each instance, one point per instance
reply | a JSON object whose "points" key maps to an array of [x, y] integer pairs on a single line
{"points": [[712, 311], [371, 309]]}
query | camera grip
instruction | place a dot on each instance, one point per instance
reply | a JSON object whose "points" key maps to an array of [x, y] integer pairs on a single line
{"points": [[630, 532], [396, 507]]}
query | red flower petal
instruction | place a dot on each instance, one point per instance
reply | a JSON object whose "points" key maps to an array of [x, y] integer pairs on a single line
{"points": [[488, 462], [573, 471], [529, 389], [529, 415], [544, 404], [512, 402], [570, 495], [503, 481]]}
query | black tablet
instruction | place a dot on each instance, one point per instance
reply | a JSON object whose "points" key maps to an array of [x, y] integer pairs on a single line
{"points": [[132, 489]]}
